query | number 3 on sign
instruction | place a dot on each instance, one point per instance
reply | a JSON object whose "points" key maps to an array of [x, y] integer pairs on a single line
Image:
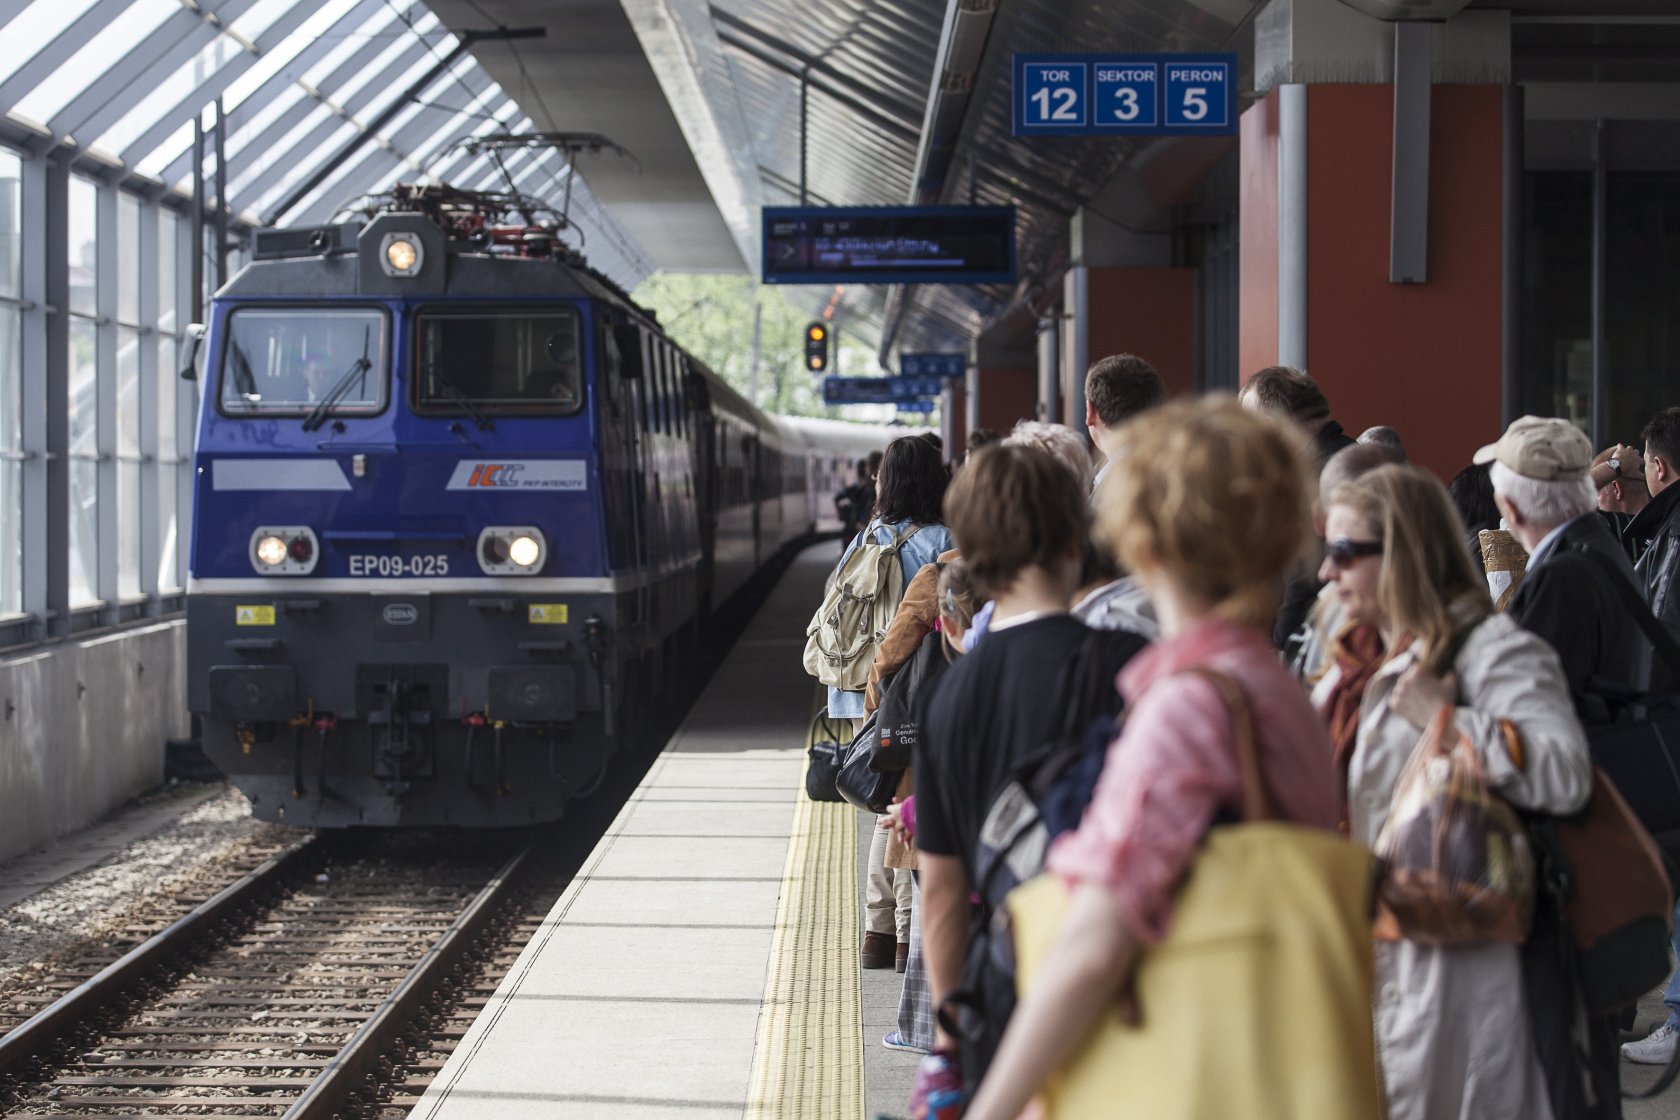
{"points": [[1127, 107], [1066, 104]]}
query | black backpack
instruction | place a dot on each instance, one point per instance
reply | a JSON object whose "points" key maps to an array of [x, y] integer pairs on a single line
{"points": [[1045, 796]]}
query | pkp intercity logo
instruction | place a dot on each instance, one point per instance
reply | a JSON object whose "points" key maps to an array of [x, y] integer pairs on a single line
{"points": [[522, 474], [495, 474]]}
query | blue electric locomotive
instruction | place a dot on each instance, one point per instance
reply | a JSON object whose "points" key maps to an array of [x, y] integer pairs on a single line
{"points": [[459, 506]]}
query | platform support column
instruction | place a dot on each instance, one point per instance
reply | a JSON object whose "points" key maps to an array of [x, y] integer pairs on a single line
{"points": [[1390, 284], [1124, 293], [46, 397]]}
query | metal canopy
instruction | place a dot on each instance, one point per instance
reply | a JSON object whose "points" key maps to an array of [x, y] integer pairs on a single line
{"points": [[590, 73], [724, 105], [313, 92]]}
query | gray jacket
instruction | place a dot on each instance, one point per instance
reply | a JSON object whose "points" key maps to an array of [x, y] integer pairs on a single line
{"points": [[1453, 1037]]}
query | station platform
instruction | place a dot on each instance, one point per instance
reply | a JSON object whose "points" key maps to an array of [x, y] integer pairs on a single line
{"points": [[704, 962]]}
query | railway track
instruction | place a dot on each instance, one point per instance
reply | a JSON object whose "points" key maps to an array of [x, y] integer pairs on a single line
{"points": [[332, 978], [286, 994]]}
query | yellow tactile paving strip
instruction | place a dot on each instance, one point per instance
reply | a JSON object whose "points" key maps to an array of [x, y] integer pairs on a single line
{"points": [[808, 1059]]}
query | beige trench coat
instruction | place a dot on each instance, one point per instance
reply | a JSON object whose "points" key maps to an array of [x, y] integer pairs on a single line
{"points": [[1452, 1029]]}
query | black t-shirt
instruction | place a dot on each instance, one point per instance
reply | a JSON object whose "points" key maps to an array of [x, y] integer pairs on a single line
{"points": [[988, 712]]}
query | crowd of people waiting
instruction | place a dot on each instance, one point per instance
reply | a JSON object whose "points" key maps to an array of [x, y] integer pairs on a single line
{"points": [[1270, 608]]}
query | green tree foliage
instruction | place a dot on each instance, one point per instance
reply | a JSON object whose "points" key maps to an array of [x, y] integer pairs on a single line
{"points": [[711, 316]]}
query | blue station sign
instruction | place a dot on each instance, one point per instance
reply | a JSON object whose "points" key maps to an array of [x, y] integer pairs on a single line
{"points": [[1125, 95], [915, 406], [935, 365]]}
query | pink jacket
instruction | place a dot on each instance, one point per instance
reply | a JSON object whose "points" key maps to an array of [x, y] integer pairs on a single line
{"points": [[1174, 766]]}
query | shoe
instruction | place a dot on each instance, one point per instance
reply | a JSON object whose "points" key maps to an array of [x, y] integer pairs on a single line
{"points": [[877, 951], [895, 1041], [901, 957], [1655, 1049]]}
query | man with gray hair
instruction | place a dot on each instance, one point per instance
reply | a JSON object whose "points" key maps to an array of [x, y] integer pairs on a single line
{"points": [[1542, 487], [1569, 597]]}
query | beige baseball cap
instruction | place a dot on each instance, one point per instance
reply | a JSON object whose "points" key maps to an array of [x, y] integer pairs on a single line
{"points": [[1543, 448]]}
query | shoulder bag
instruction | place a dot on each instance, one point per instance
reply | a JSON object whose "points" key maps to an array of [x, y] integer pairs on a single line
{"points": [[1258, 1002], [859, 782]]}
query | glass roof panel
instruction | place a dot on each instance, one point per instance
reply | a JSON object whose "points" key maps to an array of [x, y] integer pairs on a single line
{"points": [[282, 153], [270, 65], [314, 63], [261, 17], [279, 187], [35, 27], [106, 49], [165, 153], [166, 95], [376, 27]]}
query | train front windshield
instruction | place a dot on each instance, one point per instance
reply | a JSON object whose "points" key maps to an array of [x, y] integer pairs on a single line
{"points": [[502, 361], [289, 360]]}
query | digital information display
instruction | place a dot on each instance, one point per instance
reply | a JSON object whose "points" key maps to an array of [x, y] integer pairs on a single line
{"points": [[1125, 95], [882, 390], [860, 390], [889, 245]]}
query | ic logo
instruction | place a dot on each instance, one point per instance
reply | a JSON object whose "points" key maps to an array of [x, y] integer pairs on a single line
{"points": [[400, 614], [495, 474]]}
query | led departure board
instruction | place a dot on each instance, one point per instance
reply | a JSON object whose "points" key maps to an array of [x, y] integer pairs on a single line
{"points": [[889, 245]]}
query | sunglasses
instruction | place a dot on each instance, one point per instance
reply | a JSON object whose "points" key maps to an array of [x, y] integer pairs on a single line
{"points": [[1343, 551]]}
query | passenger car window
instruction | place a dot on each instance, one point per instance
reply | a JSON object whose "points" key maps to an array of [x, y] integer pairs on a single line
{"points": [[509, 360], [285, 361]]}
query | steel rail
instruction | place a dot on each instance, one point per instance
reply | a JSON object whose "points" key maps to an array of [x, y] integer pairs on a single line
{"points": [[59, 1020], [353, 1066]]}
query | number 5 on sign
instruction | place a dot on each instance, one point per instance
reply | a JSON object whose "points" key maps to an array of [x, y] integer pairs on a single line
{"points": [[1198, 94]]}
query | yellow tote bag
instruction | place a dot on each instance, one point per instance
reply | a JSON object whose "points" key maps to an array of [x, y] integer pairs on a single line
{"points": [[1257, 1005]]}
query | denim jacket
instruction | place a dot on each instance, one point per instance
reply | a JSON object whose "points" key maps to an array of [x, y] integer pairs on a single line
{"points": [[923, 548]]}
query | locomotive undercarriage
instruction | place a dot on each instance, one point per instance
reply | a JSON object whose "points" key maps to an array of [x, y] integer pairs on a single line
{"points": [[328, 713]]}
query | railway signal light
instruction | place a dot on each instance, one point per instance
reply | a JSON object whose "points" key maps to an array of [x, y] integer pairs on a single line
{"points": [[816, 347]]}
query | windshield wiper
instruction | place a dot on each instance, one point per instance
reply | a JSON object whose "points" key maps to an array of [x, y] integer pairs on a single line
{"points": [[464, 403], [318, 415], [358, 368], [243, 380]]}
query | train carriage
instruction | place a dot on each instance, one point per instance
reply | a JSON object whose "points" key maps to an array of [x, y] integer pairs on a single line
{"points": [[459, 504]]}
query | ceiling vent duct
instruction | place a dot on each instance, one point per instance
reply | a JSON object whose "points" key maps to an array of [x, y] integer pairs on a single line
{"points": [[1409, 9]]}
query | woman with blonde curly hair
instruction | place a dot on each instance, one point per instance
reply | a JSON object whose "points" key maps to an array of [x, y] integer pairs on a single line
{"points": [[1210, 508]]}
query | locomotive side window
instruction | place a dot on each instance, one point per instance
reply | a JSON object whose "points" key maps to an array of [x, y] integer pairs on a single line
{"points": [[508, 360], [291, 360]]}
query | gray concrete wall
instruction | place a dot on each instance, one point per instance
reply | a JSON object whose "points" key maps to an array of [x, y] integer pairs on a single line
{"points": [[82, 728]]}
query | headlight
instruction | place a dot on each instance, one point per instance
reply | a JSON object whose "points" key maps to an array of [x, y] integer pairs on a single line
{"points": [[511, 550], [525, 551], [284, 550], [271, 552], [401, 254]]}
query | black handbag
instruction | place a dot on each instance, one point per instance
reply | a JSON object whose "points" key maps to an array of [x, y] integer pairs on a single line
{"points": [[825, 739], [860, 783], [898, 719]]}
